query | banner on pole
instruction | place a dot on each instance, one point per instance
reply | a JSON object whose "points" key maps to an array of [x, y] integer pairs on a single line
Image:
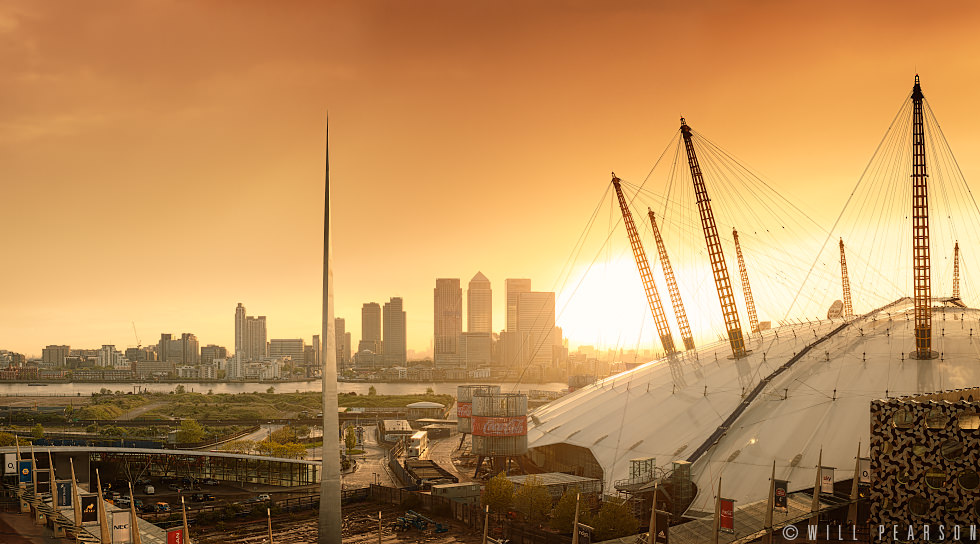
{"points": [[175, 536], [727, 519], [64, 493], [780, 500], [120, 527], [584, 534], [25, 471], [663, 527], [826, 479], [43, 482], [865, 476], [10, 463], [90, 511]]}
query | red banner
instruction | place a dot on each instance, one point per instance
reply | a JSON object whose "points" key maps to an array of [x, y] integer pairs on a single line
{"points": [[727, 522], [499, 426], [175, 536], [464, 409]]}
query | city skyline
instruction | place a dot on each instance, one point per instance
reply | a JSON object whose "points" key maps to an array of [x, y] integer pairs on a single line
{"points": [[504, 128]]}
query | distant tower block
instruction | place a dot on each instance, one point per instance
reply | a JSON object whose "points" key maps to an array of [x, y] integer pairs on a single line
{"points": [[746, 288], [653, 297], [920, 231], [956, 271], [719, 269], [675, 294], [848, 309]]}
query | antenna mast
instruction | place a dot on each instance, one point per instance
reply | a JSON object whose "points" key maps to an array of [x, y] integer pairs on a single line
{"points": [[675, 293], [848, 309], [653, 297], [746, 288], [956, 271], [920, 231], [718, 267]]}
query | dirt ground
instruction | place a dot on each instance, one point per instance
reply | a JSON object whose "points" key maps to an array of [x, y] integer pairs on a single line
{"points": [[360, 527], [46, 401]]}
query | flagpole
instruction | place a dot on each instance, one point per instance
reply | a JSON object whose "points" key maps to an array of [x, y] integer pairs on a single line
{"points": [[133, 519], [75, 497], [772, 493], [717, 513], [54, 484], [852, 509], [103, 524], [268, 513], [578, 497], [653, 516], [486, 523], [815, 505], [330, 507], [187, 530]]}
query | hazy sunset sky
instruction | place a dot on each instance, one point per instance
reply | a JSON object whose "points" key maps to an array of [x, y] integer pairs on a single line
{"points": [[162, 161]]}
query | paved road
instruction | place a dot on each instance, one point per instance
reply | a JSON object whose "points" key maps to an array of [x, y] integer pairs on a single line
{"points": [[370, 466]]}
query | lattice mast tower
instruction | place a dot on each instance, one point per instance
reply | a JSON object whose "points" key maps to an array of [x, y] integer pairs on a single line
{"points": [[675, 293], [746, 288], [956, 271], [649, 287], [718, 267], [845, 282], [920, 231]]}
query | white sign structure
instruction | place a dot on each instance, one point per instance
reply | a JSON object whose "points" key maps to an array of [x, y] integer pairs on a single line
{"points": [[826, 479], [120, 528], [10, 463], [865, 476]]}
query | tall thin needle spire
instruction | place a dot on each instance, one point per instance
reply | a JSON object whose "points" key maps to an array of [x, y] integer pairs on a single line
{"points": [[330, 515]]}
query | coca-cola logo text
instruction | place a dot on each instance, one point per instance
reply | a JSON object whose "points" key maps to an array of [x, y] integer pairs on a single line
{"points": [[499, 426], [464, 409]]}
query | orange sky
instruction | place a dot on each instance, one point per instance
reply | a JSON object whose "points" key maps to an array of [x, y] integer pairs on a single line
{"points": [[162, 161]]}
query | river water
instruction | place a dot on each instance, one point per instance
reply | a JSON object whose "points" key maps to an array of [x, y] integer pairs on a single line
{"points": [[361, 388]]}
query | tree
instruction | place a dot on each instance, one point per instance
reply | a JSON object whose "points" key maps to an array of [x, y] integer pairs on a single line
{"points": [[372, 391], [533, 500], [37, 431], [190, 431], [350, 438], [499, 493], [429, 391], [614, 521], [563, 518], [7, 439], [270, 390], [179, 390]]}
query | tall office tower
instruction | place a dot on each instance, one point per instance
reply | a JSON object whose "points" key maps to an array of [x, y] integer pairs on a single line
{"points": [[447, 321], [536, 321], [189, 349], [211, 352], [395, 340], [340, 339], [370, 328], [347, 348], [163, 348], [315, 362], [55, 355], [256, 349], [241, 333], [479, 307], [514, 289]]}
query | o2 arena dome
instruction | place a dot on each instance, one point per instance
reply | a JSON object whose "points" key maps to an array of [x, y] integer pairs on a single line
{"points": [[797, 395]]}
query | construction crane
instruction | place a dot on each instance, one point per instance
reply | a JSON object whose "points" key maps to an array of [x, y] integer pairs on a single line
{"points": [[718, 267], [746, 288], [138, 343], [653, 297], [675, 294], [848, 309], [956, 271], [920, 231]]}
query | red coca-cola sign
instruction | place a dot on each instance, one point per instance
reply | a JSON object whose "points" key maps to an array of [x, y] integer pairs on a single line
{"points": [[464, 410], [727, 521], [499, 426]]}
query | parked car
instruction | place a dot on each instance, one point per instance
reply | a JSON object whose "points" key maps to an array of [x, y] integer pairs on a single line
{"points": [[122, 502], [263, 498], [149, 490], [162, 507], [148, 508], [143, 481], [174, 487], [203, 497], [210, 481]]}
